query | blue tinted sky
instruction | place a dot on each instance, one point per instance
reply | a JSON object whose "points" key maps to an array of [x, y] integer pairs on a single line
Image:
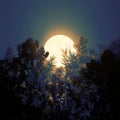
{"points": [[96, 20]]}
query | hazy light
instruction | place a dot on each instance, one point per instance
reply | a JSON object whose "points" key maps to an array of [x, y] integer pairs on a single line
{"points": [[56, 44]]}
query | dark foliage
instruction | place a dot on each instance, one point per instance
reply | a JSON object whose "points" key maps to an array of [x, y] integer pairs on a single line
{"points": [[105, 74], [82, 90], [13, 75]]}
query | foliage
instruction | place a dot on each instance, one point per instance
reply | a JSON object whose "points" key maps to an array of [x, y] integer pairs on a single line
{"points": [[114, 46], [79, 87], [80, 90], [104, 74]]}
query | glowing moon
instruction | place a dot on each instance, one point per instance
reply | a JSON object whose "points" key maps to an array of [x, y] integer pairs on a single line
{"points": [[56, 44]]}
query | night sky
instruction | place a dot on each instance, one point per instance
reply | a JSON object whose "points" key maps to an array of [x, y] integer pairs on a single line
{"points": [[96, 20]]}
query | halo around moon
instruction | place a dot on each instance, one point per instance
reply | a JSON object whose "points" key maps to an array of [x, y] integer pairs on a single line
{"points": [[56, 44]]}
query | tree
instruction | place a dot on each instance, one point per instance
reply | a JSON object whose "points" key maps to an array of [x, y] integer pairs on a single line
{"points": [[104, 74], [16, 75], [114, 46], [82, 89], [9, 55], [78, 88]]}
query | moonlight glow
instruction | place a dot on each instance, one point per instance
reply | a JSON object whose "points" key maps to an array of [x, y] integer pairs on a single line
{"points": [[56, 44]]}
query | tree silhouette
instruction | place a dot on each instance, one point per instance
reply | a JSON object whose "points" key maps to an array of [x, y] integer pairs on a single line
{"points": [[15, 71], [9, 55], [104, 73], [114, 46], [80, 91], [86, 88]]}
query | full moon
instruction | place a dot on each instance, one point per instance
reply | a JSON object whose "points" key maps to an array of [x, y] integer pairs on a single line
{"points": [[56, 44]]}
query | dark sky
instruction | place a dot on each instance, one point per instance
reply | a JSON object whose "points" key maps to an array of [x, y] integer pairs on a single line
{"points": [[96, 20]]}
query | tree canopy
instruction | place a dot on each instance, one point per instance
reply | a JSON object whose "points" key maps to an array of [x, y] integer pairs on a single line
{"points": [[86, 88]]}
